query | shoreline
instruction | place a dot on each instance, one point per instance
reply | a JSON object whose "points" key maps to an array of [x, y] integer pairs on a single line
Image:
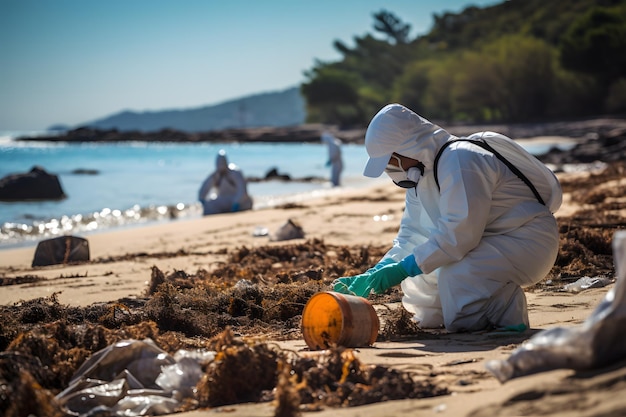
{"points": [[134, 238], [30, 233], [202, 236], [310, 132], [358, 216], [162, 214]]}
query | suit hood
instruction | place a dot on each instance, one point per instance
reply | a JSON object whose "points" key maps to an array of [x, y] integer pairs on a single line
{"points": [[395, 128]]}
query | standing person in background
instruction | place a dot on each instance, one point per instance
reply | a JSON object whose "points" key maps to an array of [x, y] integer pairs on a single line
{"points": [[478, 223], [226, 189], [334, 157]]}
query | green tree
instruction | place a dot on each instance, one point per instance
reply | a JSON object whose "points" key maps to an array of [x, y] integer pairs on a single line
{"points": [[438, 97], [350, 89], [616, 99], [410, 88], [518, 60], [596, 44], [426, 87], [332, 95], [573, 94], [477, 88], [389, 24], [508, 79]]}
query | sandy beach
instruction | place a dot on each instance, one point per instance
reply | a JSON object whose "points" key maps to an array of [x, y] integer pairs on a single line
{"points": [[123, 261]]}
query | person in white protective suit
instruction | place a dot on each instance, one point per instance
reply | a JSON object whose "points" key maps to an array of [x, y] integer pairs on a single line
{"points": [[334, 157], [473, 232], [225, 190]]}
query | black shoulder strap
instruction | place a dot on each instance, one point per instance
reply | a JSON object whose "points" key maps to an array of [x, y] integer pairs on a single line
{"points": [[506, 162]]}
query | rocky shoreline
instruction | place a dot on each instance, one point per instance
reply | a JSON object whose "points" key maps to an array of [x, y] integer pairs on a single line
{"points": [[290, 134], [598, 139], [576, 129]]}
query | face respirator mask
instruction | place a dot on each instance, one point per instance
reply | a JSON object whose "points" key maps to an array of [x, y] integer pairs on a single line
{"points": [[402, 178]]}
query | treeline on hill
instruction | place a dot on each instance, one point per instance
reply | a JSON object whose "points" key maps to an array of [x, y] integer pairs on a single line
{"points": [[518, 61]]}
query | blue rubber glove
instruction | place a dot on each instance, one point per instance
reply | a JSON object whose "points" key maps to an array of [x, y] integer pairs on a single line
{"points": [[386, 277], [328, 163], [410, 265], [348, 285], [519, 328], [343, 284], [380, 264], [234, 207]]}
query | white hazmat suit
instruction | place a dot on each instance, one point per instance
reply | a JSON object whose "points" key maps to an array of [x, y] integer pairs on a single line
{"points": [[481, 236], [334, 157], [225, 190]]}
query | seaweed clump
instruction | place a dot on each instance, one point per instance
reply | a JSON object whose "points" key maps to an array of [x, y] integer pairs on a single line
{"points": [[240, 373], [586, 236], [337, 378], [245, 371]]}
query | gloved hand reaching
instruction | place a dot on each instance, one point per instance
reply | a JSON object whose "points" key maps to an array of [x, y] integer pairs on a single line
{"points": [[351, 285], [379, 280], [343, 284]]}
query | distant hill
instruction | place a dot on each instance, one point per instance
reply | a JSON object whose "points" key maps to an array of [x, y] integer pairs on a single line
{"points": [[275, 109]]}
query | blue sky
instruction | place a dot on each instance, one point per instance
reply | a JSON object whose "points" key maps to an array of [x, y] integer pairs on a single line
{"points": [[74, 61]]}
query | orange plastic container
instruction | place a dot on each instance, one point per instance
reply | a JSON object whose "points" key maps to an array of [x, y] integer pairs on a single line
{"points": [[334, 318]]}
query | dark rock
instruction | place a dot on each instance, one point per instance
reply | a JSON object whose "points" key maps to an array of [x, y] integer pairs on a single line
{"points": [[604, 147], [85, 171], [34, 185], [273, 174], [61, 250]]}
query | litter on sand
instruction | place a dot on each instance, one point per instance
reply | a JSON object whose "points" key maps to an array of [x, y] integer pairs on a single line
{"points": [[597, 342], [289, 230], [585, 283], [134, 378]]}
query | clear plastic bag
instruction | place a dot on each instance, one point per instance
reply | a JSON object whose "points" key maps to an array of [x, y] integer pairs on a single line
{"points": [[585, 283], [133, 378], [597, 342]]}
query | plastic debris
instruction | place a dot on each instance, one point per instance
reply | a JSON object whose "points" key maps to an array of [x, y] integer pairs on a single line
{"points": [[596, 343], [289, 230], [260, 231], [585, 283], [134, 378]]}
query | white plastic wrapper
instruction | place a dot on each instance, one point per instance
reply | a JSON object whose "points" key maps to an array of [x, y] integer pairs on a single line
{"points": [[134, 378], [585, 283], [596, 343]]}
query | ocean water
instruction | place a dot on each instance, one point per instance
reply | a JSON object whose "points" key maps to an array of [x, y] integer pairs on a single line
{"points": [[139, 183]]}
